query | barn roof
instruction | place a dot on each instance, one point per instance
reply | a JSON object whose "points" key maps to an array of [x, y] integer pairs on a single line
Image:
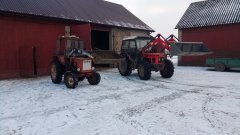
{"points": [[210, 13], [90, 11]]}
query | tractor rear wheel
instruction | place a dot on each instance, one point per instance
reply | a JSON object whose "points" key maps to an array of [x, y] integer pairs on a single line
{"points": [[144, 70], [168, 69], [94, 79], [56, 72], [70, 80], [124, 67]]}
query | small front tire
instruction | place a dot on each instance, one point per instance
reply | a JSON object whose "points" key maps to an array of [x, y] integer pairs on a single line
{"points": [[168, 69], [94, 79], [70, 80]]}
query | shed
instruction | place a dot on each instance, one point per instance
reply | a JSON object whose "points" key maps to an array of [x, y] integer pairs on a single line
{"points": [[29, 29], [214, 22]]}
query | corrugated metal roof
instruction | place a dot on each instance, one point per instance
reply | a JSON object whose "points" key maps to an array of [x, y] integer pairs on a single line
{"points": [[210, 13], [91, 11]]}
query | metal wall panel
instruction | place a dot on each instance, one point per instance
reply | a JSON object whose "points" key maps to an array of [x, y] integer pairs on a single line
{"points": [[224, 41], [210, 13]]}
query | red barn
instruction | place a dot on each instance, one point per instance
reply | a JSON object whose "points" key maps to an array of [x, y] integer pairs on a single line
{"points": [[29, 29], [214, 22]]}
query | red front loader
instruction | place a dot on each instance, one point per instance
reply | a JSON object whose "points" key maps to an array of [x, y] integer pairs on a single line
{"points": [[148, 54]]}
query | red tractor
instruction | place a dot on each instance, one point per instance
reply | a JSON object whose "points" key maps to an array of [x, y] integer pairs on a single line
{"points": [[151, 54], [72, 62]]}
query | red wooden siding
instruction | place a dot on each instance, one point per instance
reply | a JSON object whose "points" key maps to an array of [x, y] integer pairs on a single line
{"points": [[84, 33], [223, 40], [17, 33]]}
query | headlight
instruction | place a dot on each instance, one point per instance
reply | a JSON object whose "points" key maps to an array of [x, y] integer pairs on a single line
{"points": [[160, 59], [93, 68], [78, 69], [166, 51]]}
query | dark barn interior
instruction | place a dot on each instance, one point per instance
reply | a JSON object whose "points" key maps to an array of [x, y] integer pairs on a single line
{"points": [[100, 40]]}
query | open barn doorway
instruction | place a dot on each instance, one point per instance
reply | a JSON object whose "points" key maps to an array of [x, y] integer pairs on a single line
{"points": [[100, 40]]}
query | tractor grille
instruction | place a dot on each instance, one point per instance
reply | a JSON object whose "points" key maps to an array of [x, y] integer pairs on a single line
{"points": [[87, 65]]}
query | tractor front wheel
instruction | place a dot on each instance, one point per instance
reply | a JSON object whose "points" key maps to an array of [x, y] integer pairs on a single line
{"points": [[94, 79], [168, 69], [56, 72], [124, 67], [70, 80], [144, 71]]}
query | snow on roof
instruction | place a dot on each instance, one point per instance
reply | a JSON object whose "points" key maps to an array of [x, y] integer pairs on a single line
{"points": [[134, 37], [210, 13]]}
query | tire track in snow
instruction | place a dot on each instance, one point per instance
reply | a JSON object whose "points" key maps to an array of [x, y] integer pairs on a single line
{"points": [[46, 112], [147, 83], [162, 86], [205, 111], [126, 114], [216, 122], [200, 86], [139, 109], [105, 97], [197, 89]]}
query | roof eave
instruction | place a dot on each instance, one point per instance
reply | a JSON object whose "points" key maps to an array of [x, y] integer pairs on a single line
{"points": [[66, 20]]}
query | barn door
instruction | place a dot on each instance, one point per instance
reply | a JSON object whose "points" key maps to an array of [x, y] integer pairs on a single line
{"points": [[27, 61]]}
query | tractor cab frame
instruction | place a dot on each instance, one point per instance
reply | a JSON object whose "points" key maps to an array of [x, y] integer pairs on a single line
{"points": [[67, 43]]}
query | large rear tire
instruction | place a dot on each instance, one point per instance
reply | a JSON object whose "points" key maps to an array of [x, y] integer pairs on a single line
{"points": [[168, 69], [56, 72], [94, 79], [124, 67], [70, 80], [144, 70]]}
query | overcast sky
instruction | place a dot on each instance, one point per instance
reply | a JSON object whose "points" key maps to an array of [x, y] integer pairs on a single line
{"points": [[161, 15]]}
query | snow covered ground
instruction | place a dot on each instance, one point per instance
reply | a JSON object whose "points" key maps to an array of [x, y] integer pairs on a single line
{"points": [[194, 101]]}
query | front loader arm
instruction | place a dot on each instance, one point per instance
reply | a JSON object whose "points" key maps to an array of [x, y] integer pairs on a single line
{"points": [[176, 47], [159, 43]]}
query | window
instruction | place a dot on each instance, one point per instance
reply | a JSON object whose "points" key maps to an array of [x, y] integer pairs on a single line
{"points": [[125, 45], [68, 46], [142, 43], [76, 44], [132, 45]]}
